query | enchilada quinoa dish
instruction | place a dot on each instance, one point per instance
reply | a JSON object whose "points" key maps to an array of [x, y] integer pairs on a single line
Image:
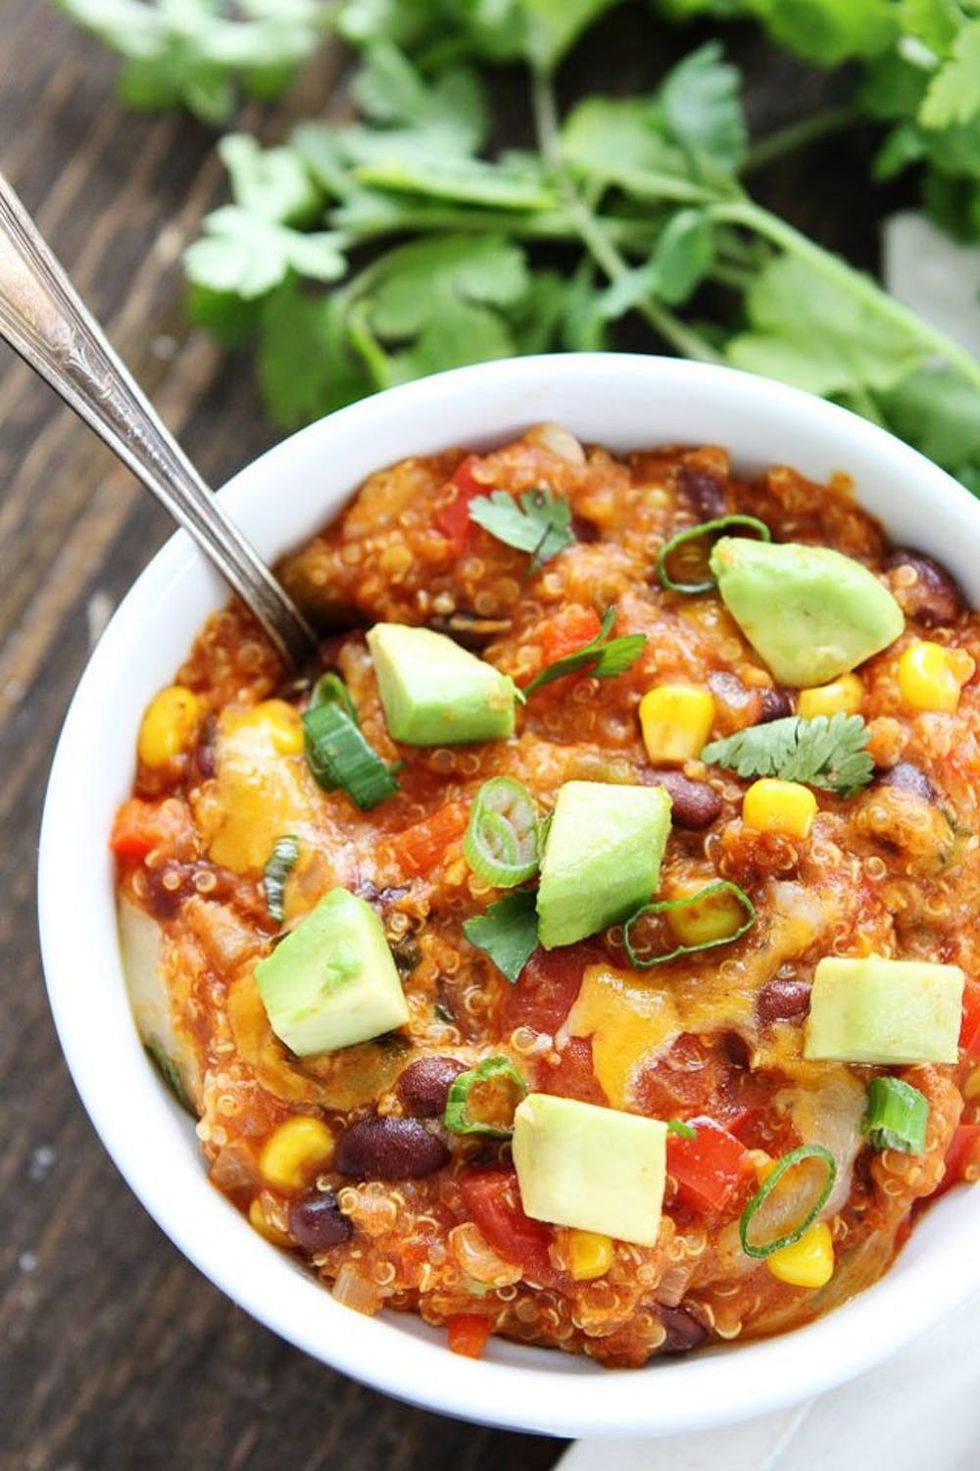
{"points": [[583, 952]]}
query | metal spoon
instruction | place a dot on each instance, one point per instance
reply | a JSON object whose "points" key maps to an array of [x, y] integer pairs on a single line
{"points": [[43, 319]]}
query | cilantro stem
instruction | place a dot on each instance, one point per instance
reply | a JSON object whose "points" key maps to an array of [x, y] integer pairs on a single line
{"points": [[798, 135], [555, 224], [593, 235], [862, 288]]}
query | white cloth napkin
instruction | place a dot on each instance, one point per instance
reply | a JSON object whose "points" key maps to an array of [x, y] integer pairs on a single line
{"points": [[919, 1411]]}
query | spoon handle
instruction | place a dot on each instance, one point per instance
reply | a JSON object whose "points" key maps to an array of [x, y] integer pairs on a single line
{"points": [[42, 317]]}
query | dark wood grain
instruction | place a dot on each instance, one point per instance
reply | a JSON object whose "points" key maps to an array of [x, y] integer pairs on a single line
{"points": [[114, 1352]]}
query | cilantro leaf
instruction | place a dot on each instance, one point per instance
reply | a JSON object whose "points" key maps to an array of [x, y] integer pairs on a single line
{"points": [[272, 183], [829, 31], [507, 932], [553, 27], [939, 412], [602, 656], [682, 257], [953, 95], [807, 330], [249, 255], [196, 53], [305, 363], [408, 114], [538, 522], [441, 301], [700, 107], [820, 752]]}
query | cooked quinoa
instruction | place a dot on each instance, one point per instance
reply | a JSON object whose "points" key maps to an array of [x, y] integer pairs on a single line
{"points": [[891, 871]]}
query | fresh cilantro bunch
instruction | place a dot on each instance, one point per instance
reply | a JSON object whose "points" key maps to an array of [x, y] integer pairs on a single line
{"points": [[198, 53], [361, 254]]}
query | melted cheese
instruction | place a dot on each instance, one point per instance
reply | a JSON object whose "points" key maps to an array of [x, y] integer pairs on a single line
{"points": [[261, 793], [629, 1020]]}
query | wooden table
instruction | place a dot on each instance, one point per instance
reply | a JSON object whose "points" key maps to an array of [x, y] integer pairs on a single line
{"points": [[114, 1352]]}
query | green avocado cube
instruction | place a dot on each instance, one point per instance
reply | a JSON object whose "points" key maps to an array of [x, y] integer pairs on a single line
{"points": [[872, 1010], [810, 612], [596, 1169], [436, 694], [602, 858], [332, 981]]}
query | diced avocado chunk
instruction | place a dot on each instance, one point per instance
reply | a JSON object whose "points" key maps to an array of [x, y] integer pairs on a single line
{"points": [[602, 858], [873, 1010], [593, 1168], [810, 612], [436, 694], [332, 981]]}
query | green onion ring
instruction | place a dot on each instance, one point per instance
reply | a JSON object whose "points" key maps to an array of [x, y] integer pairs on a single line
{"points": [[639, 962], [897, 1116], [682, 1130], [694, 533], [502, 844], [794, 1157], [456, 1116]]}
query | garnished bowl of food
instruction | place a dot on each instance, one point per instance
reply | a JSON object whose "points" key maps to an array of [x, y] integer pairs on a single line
{"points": [[573, 970]]}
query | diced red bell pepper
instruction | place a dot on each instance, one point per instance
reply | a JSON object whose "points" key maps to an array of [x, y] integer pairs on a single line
{"points": [[453, 520], [419, 848], [468, 1334], [493, 1200], [970, 1028], [138, 828], [963, 1151], [567, 631], [708, 1168]]}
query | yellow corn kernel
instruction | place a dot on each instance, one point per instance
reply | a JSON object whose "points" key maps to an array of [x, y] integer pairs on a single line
{"points": [[971, 1088], [713, 918], [168, 725], [298, 1150], [774, 806], [842, 696], [283, 723], [762, 1164], [809, 1262], [260, 1222], [931, 676], [676, 721], [590, 1255]]}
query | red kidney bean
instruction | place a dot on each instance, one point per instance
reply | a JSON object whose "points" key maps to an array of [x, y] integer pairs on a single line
{"points": [[934, 597], [704, 492], [776, 705], [316, 1221], [390, 1149], [424, 1085], [683, 1331], [695, 804], [907, 777], [782, 1000]]}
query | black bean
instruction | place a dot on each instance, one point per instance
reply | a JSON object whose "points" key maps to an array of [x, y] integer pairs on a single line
{"points": [[316, 1221], [683, 1331], [776, 705], [907, 777], [933, 597], [390, 1149], [424, 1085], [782, 1000], [695, 804], [705, 493]]}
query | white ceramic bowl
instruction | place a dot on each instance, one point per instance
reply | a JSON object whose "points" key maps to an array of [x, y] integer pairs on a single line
{"points": [[624, 402]]}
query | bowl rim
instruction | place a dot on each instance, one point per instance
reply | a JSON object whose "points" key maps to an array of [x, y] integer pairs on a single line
{"points": [[512, 1388]]}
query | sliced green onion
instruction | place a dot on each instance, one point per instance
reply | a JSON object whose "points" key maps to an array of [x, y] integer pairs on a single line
{"points": [[501, 842], [677, 1126], [696, 533], [282, 861], [331, 690], [762, 1249], [897, 1116], [640, 960], [339, 756], [457, 1117]]}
